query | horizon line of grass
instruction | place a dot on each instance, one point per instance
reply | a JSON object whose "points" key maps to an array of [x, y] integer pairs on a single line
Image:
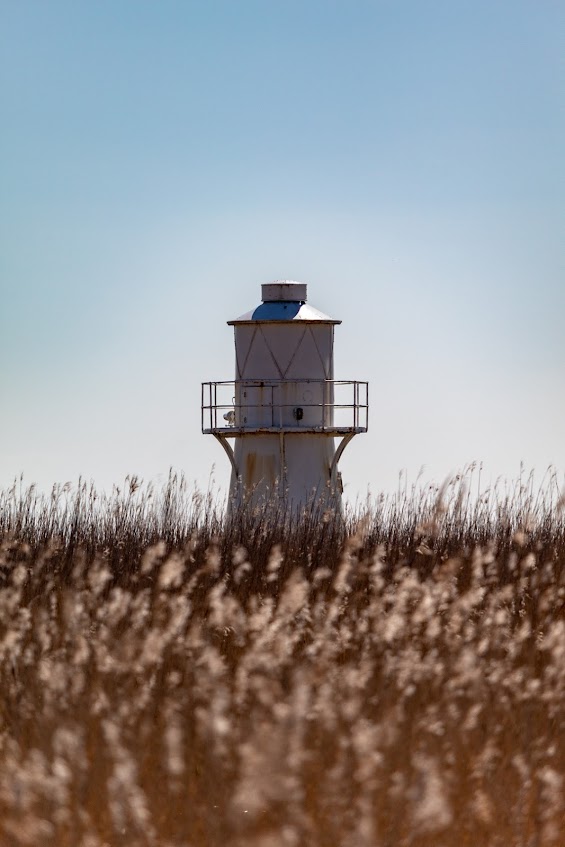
{"points": [[424, 523]]}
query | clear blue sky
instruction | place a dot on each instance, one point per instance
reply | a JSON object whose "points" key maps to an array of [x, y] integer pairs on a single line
{"points": [[159, 161]]}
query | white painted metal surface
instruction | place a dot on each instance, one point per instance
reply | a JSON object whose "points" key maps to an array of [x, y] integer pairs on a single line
{"points": [[284, 290], [281, 415]]}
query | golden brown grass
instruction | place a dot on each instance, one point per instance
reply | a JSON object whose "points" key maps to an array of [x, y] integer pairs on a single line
{"points": [[172, 678]]}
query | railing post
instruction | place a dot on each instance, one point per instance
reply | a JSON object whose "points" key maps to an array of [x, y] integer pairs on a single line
{"points": [[356, 401], [358, 404]]}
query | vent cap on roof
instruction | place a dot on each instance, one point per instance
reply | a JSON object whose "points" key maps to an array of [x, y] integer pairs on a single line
{"points": [[284, 301], [284, 291]]}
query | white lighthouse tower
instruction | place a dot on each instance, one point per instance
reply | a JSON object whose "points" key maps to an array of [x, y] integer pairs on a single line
{"points": [[284, 410]]}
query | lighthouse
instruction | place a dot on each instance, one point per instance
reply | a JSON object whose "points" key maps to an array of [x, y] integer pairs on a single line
{"points": [[284, 421]]}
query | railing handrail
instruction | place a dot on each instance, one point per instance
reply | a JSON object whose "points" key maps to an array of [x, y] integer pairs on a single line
{"points": [[269, 381], [359, 406]]}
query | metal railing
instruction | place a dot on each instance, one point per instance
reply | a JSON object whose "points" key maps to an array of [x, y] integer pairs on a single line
{"points": [[291, 405]]}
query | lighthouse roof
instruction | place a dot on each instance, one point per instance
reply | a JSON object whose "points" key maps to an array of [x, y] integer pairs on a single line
{"points": [[284, 301]]}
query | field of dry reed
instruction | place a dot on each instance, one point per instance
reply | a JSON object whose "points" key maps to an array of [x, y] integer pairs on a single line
{"points": [[171, 678]]}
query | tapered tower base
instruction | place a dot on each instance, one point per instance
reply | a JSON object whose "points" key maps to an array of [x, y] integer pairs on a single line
{"points": [[297, 468]]}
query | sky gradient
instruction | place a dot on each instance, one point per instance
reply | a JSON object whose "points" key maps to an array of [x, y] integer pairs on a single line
{"points": [[159, 161]]}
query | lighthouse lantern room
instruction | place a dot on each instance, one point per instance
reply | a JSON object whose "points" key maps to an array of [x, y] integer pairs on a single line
{"points": [[284, 411]]}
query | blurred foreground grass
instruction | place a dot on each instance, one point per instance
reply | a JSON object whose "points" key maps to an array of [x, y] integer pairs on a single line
{"points": [[171, 677]]}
